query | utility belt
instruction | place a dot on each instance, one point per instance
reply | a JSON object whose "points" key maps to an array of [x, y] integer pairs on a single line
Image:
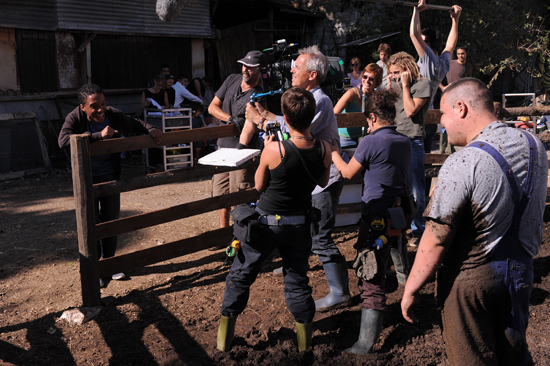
{"points": [[281, 220], [376, 228], [247, 221]]}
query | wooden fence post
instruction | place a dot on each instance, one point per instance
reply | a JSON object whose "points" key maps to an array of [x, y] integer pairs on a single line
{"points": [[85, 222]]}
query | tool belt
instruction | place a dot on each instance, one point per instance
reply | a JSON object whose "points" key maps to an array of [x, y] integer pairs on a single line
{"points": [[278, 220], [245, 223]]}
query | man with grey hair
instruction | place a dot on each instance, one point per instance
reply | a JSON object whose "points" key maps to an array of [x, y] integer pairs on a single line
{"points": [[484, 226], [309, 71]]}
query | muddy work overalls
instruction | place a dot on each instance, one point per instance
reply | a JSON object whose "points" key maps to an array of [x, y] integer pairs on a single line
{"points": [[512, 268]]}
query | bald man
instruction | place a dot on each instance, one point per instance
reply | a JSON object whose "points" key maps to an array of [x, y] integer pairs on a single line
{"points": [[484, 225]]}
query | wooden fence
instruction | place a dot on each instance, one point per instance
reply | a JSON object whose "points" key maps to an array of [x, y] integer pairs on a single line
{"points": [[91, 269]]}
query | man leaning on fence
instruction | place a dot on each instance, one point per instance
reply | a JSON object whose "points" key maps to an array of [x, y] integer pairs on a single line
{"points": [[100, 122]]}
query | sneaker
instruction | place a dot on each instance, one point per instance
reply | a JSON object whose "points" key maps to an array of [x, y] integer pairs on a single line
{"points": [[118, 276], [101, 283], [413, 242]]}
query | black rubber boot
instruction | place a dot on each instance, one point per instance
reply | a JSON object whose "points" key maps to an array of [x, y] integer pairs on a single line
{"points": [[338, 284], [371, 326], [226, 332], [400, 268]]}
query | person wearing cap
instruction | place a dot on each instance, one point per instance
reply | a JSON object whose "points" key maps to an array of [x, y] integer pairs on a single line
{"points": [[229, 104]]}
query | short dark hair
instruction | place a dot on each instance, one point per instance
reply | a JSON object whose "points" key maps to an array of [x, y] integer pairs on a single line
{"points": [[384, 47], [86, 90], [478, 95], [298, 105], [431, 38], [382, 104], [465, 48], [163, 66], [195, 106], [183, 76]]}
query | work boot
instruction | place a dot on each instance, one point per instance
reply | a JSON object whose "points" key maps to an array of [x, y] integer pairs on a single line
{"points": [[401, 269], [337, 280], [226, 331], [371, 326], [303, 335]]}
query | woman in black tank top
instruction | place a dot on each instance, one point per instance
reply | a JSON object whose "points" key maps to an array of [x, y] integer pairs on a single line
{"points": [[156, 93], [287, 174]]}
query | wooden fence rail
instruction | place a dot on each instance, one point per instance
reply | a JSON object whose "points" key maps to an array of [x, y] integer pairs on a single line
{"points": [[91, 269]]}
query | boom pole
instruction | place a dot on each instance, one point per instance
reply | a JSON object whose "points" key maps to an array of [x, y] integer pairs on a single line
{"points": [[408, 3]]}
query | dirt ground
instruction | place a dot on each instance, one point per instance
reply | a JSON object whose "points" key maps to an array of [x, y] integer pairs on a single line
{"points": [[168, 313]]}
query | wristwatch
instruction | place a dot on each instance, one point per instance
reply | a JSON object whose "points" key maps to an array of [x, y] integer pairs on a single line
{"points": [[261, 123]]}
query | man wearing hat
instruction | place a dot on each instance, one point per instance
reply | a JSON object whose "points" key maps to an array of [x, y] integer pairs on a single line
{"points": [[229, 104]]}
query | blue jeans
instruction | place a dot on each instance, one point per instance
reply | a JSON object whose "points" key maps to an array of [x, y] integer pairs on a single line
{"points": [[294, 245], [417, 183], [327, 202]]}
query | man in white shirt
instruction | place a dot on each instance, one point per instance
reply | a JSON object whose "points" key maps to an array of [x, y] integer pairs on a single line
{"points": [[182, 94]]}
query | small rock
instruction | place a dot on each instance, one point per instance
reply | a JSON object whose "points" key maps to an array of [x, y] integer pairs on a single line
{"points": [[80, 315], [52, 330]]}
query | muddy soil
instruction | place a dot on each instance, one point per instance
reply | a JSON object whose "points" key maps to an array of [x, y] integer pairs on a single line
{"points": [[168, 313]]}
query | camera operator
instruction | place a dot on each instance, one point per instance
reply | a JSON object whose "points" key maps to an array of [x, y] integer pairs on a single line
{"points": [[288, 172], [229, 105], [309, 71]]}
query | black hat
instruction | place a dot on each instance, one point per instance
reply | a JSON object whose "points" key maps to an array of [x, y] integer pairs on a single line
{"points": [[253, 59]]}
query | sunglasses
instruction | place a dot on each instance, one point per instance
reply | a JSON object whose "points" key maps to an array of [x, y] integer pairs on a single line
{"points": [[354, 64], [365, 77]]}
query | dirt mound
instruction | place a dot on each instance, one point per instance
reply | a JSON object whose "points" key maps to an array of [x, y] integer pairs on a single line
{"points": [[168, 313]]}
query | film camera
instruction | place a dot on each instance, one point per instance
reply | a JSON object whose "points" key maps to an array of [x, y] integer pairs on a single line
{"points": [[274, 129], [277, 77]]}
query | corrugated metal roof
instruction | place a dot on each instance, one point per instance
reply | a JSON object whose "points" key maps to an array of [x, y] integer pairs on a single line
{"points": [[28, 14], [131, 16], [116, 16]]}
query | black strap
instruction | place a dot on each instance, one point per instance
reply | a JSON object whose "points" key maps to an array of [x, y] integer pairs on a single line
{"points": [[280, 151]]}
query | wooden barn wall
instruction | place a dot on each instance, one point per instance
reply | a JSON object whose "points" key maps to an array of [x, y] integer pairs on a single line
{"points": [[235, 43], [122, 62], [36, 60]]}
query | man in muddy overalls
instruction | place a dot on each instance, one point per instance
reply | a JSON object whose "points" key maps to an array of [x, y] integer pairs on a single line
{"points": [[484, 225]]}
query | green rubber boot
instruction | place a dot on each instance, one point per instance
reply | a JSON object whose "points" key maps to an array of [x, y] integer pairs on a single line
{"points": [[303, 335], [226, 331], [371, 326]]}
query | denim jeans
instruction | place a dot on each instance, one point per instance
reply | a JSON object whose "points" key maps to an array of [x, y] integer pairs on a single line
{"points": [[294, 245], [417, 183], [106, 209], [327, 202]]}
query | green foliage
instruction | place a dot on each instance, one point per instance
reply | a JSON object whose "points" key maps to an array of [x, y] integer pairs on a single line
{"points": [[500, 34], [503, 34]]}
